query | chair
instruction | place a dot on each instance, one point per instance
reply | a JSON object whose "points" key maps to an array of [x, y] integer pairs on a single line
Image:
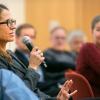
{"points": [[81, 84]]}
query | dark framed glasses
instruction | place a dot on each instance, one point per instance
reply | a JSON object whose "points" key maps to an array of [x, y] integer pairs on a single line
{"points": [[9, 22]]}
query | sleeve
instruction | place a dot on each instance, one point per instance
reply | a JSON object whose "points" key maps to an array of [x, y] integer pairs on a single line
{"points": [[31, 78], [15, 88]]}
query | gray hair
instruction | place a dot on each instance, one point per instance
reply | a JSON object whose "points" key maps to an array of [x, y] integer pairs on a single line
{"points": [[75, 34]]}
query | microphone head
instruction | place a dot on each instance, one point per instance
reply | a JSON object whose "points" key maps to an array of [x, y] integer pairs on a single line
{"points": [[26, 40]]}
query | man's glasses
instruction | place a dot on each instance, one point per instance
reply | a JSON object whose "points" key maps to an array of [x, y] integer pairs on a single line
{"points": [[9, 22]]}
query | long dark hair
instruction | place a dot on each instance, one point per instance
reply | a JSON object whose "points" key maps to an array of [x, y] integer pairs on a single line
{"points": [[4, 53], [95, 21]]}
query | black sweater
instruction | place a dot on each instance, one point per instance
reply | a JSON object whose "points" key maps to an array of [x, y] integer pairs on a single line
{"points": [[58, 61]]}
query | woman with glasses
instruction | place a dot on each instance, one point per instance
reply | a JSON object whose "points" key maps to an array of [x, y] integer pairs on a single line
{"points": [[58, 61], [9, 61]]}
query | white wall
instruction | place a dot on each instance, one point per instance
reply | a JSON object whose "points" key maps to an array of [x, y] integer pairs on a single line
{"points": [[17, 8]]}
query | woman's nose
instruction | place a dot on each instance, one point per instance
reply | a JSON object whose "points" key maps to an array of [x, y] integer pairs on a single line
{"points": [[13, 26]]}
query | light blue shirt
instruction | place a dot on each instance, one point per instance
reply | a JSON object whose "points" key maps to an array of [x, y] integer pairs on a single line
{"points": [[13, 88]]}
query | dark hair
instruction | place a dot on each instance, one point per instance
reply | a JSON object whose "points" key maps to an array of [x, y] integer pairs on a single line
{"points": [[95, 21], [23, 26], [2, 7], [57, 28]]}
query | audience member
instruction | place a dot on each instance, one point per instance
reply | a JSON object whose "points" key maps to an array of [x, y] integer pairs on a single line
{"points": [[75, 40], [88, 61], [58, 61]]}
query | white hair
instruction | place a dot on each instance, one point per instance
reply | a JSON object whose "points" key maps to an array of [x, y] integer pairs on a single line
{"points": [[75, 34]]}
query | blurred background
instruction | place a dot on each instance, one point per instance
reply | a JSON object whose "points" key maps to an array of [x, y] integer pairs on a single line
{"points": [[43, 14]]}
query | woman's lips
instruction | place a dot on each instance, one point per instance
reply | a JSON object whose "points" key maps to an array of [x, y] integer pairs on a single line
{"points": [[12, 34]]}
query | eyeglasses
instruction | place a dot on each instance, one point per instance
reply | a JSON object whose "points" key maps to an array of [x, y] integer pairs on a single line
{"points": [[62, 38], [9, 22]]}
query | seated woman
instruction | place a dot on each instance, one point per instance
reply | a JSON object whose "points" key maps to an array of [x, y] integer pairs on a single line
{"points": [[9, 61], [58, 61], [88, 63]]}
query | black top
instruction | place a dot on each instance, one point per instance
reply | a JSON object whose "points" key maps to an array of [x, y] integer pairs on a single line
{"points": [[58, 61], [29, 76]]}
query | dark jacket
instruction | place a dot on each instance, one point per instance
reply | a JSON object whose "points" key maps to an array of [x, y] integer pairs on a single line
{"points": [[29, 76], [21, 56]]}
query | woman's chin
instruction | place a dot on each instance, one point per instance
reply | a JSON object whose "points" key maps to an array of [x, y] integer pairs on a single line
{"points": [[11, 39]]}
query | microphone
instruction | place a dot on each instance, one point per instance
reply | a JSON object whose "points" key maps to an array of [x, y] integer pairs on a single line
{"points": [[27, 41]]}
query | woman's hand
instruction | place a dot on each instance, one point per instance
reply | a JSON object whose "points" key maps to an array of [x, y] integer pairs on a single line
{"points": [[36, 58], [64, 93]]}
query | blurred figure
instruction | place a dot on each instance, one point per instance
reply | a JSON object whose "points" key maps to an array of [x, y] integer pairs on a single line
{"points": [[88, 63], [75, 40], [21, 50], [58, 61]]}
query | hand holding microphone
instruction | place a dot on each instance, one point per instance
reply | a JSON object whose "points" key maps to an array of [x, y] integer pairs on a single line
{"points": [[36, 56]]}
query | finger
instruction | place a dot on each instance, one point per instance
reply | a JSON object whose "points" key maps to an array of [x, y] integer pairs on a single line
{"points": [[35, 49], [68, 85], [39, 51], [65, 83], [73, 93], [37, 55], [41, 54], [40, 58], [60, 97], [63, 88], [64, 92], [65, 95]]}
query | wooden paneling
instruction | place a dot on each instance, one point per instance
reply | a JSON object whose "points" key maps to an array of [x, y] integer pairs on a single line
{"points": [[72, 14]]}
